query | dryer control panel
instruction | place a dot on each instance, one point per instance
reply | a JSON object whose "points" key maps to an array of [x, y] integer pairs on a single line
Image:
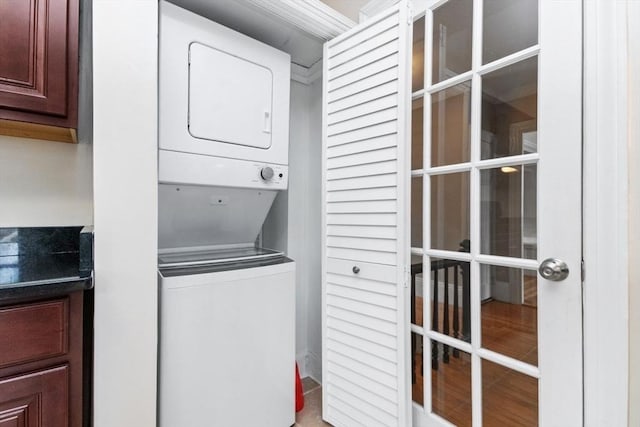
{"points": [[187, 168]]}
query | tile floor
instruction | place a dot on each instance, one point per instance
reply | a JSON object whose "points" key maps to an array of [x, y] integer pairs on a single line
{"points": [[311, 414]]}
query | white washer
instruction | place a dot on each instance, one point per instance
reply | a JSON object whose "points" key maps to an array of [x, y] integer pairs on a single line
{"points": [[227, 344]]}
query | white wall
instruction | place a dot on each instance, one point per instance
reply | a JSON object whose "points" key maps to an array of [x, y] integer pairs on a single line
{"points": [[314, 297], [125, 196], [44, 183], [293, 224], [298, 234]]}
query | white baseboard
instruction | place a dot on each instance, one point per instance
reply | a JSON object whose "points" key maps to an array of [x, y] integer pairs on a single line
{"points": [[314, 367]]}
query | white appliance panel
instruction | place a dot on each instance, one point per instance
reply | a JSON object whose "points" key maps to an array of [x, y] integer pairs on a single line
{"points": [[194, 216], [227, 348], [244, 121], [186, 168], [249, 127]]}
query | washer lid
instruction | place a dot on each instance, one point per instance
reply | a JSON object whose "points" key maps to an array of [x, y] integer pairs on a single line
{"points": [[189, 258]]}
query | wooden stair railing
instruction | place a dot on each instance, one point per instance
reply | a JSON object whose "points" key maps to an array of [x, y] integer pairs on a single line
{"points": [[459, 270]]}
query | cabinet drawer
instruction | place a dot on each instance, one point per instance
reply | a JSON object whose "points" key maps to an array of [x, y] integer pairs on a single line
{"points": [[33, 331]]}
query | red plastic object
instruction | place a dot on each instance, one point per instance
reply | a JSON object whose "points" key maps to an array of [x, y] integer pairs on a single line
{"points": [[299, 393]]}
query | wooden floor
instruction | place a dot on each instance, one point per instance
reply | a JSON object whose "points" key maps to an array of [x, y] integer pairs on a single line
{"points": [[509, 398]]}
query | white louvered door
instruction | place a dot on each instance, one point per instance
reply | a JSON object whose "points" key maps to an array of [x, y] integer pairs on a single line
{"points": [[365, 223]]}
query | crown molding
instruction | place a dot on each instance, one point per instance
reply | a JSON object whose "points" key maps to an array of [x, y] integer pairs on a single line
{"points": [[306, 75], [374, 7], [311, 16]]}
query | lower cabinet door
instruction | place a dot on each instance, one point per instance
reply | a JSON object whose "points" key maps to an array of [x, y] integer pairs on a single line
{"points": [[37, 399]]}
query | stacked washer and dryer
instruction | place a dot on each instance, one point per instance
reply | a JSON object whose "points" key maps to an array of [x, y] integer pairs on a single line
{"points": [[227, 306]]}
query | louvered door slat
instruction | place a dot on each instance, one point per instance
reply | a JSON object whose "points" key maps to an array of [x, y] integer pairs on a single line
{"points": [[377, 54], [384, 141], [374, 156], [382, 384], [362, 231], [365, 183]]}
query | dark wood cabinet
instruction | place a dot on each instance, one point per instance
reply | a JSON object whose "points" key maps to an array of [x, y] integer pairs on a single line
{"points": [[41, 362], [39, 63], [36, 399]]}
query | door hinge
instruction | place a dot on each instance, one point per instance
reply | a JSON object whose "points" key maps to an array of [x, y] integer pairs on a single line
{"points": [[409, 13], [407, 276], [582, 271]]}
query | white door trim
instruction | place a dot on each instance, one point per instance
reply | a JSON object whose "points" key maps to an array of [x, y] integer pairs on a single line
{"points": [[633, 21], [605, 192]]}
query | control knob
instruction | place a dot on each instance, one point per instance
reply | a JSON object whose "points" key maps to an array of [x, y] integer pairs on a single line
{"points": [[266, 173]]}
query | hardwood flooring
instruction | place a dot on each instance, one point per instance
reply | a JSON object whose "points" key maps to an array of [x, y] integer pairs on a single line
{"points": [[509, 398]]}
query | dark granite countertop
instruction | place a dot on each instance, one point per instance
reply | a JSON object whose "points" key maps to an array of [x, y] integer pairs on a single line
{"points": [[39, 262]]}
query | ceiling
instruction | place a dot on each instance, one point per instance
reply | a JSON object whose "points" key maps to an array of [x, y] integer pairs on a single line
{"points": [[304, 48], [349, 8]]}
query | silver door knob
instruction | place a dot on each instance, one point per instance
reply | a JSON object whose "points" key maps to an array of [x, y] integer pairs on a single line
{"points": [[355, 269], [554, 269]]}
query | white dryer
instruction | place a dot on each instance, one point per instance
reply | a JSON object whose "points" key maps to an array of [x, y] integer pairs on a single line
{"points": [[223, 105]]}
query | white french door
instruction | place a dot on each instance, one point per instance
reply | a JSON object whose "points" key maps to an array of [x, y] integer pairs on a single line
{"points": [[496, 190]]}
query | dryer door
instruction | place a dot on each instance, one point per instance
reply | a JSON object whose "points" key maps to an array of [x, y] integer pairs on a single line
{"points": [[230, 98]]}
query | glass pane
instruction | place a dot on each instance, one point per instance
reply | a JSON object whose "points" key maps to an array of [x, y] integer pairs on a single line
{"points": [[508, 219], [417, 286], [452, 23], [450, 301], [510, 110], [509, 398], [417, 374], [451, 125], [449, 210], [509, 312], [418, 55], [417, 117], [451, 389], [416, 211], [508, 27]]}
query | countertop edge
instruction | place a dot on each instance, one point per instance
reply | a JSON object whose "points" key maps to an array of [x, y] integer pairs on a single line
{"points": [[44, 288]]}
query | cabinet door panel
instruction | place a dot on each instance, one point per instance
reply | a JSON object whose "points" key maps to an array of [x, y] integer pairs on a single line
{"points": [[38, 73], [35, 77], [38, 399]]}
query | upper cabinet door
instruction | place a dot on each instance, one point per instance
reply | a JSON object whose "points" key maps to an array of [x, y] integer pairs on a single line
{"points": [[230, 98], [366, 102], [38, 71]]}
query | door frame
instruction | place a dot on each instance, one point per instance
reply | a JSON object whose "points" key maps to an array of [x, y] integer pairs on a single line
{"points": [[605, 211]]}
